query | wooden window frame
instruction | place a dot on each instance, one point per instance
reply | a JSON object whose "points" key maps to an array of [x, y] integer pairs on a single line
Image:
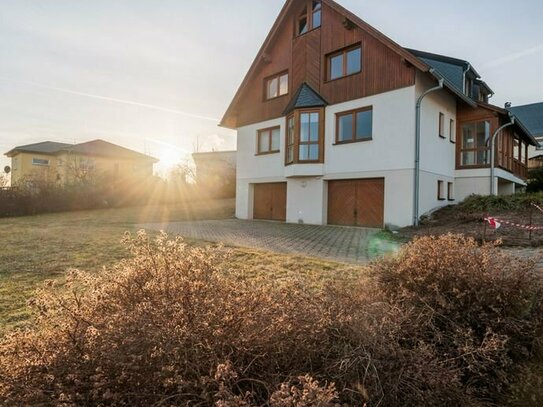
{"points": [[268, 131], [441, 190], [461, 150], [277, 76], [355, 125], [307, 13], [441, 125], [344, 52], [450, 191], [452, 131], [297, 143]]}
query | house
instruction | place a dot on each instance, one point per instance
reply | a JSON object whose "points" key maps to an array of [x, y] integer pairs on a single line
{"points": [[338, 124], [71, 163], [535, 162], [532, 117], [216, 172]]}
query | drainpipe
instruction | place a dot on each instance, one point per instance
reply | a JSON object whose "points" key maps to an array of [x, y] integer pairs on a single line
{"points": [[492, 147], [417, 147]]}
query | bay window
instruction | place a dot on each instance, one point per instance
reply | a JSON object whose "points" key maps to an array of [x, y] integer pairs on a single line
{"points": [[304, 137]]}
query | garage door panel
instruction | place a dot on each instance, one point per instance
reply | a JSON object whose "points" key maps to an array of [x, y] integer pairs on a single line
{"points": [[356, 202], [370, 203], [342, 203], [270, 201]]}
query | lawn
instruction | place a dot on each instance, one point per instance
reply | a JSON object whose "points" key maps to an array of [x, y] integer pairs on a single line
{"points": [[38, 248]]}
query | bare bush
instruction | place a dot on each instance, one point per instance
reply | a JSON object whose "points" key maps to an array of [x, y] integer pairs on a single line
{"points": [[170, 327]]}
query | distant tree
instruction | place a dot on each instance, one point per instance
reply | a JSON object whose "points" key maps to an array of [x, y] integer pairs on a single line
{"points": [[535, 180], [4, 180]]}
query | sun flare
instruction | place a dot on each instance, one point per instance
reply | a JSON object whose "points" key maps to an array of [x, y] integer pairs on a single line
{"points": [[169, 159]]}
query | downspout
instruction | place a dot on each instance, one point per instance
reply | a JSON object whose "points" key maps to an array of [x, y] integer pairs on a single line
{"points": [[417, 147], [492, 147]]}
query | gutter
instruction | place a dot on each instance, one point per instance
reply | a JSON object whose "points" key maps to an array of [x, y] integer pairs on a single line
{"points": [[416, 203]]}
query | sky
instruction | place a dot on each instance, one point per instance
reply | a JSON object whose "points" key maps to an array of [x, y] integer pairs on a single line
{"points": [[157, 75]]}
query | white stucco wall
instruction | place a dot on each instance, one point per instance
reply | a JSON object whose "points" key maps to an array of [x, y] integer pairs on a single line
{"points": [[306, 201], [393, 143], [477, 182]]}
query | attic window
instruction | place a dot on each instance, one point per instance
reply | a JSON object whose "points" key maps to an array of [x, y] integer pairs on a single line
{"points": [[344, 63], [276, 86], [310, 17]]}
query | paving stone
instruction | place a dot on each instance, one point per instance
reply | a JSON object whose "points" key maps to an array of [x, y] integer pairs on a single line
{"points": [[343, 244]]}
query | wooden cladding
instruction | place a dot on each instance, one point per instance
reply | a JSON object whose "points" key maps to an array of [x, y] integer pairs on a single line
{"points": [[304, 57], [356, 202], [474, 130], [305, 137], [270, 201]]}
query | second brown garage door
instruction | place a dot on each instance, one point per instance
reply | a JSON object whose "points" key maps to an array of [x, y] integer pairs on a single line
{"points": [[270, 201], [357, 202]]}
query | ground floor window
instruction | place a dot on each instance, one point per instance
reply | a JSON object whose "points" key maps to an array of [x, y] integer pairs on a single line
{"points": [[440, 190]]}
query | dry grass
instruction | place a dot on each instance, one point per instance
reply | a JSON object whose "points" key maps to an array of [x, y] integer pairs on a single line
{"points": [[446, 323], [38, 248]]}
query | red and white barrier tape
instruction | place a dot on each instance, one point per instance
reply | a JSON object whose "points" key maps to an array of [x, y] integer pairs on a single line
{"points": [[537, 206], [496, 223]]}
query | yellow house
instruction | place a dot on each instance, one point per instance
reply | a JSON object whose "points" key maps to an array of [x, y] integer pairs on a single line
{"points": [[72, 163]]}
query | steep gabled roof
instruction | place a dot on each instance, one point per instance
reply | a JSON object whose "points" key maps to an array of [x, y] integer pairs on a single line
{"points": [[305, 97], [531, 116], [46, 147], [416, 62]]}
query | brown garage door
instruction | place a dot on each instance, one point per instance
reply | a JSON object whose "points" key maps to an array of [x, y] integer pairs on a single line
{"points": [[270, 201], [357, 202]]}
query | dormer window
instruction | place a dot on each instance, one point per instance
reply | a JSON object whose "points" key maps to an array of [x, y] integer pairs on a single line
{"points": [[310, 17]]}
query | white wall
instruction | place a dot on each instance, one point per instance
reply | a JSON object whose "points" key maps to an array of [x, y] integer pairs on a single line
{"points": [[306, 201], [393, 143]]}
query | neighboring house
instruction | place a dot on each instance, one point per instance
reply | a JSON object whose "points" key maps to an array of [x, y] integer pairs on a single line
{"points": [[329, 131], [535, 162], [71, 163], [216, 172], [532, 117]]}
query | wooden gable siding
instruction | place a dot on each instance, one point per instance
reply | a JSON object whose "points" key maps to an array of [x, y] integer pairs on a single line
{"points": [[383, 69], [305, 59]]}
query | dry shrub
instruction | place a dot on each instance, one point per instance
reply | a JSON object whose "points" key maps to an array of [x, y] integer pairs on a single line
{"points": [[479, 308], [168, 327]]}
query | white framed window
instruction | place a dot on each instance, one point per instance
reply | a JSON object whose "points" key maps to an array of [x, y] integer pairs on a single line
{"points": [[40, 162]]}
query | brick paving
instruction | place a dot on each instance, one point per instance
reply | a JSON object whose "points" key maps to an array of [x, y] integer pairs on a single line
{"points": [[343, 244]]}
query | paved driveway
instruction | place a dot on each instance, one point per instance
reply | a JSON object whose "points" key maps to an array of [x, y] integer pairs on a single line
{"points": [[353, 245]]}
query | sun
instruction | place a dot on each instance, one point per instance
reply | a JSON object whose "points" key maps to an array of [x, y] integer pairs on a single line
{"points": [[169, 159]]}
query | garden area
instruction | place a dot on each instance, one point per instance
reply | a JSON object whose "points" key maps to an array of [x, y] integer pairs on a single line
{"points": [[95, 312]]}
